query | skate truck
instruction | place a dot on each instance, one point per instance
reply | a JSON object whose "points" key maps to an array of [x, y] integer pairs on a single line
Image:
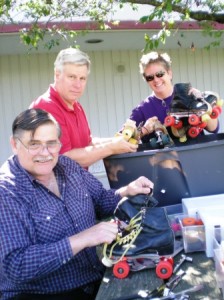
{"points": [[188, 115], [162, 138], [145, 239]]}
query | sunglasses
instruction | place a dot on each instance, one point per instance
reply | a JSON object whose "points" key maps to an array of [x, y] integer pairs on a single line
{"points": [[159, 74]]}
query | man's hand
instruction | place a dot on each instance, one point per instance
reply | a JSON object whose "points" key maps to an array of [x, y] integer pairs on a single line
{"points": [[142, 185], [104, 232], [119, 145]]}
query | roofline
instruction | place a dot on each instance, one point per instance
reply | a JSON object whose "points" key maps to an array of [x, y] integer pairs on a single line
{"points": [[122, 25]]}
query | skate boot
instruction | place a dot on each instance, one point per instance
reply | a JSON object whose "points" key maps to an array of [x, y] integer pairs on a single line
{"points": [[144, 236], [162, 138], [189, 115]]}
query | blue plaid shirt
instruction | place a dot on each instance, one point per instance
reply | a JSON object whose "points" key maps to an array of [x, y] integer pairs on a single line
{"points": [[35, 253]]}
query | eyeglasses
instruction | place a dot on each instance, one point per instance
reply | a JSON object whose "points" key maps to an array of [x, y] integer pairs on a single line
{"points": [[159, 74], [36, 147]]}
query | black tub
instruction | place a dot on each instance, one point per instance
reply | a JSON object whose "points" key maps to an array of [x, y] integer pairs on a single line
{"points": [[192, 169]]}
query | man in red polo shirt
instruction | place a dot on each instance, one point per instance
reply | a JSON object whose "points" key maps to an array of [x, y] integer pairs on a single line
{"points": [[71, 70]]}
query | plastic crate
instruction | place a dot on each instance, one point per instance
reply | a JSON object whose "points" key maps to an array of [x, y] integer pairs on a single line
{"points": [[191, 206], [193, 237]]}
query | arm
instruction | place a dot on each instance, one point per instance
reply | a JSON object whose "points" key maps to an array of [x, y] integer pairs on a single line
{"points": [[92, 153], [94, 150]]}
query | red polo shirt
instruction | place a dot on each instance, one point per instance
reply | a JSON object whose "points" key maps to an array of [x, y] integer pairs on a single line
{"points": [[74, 125]]}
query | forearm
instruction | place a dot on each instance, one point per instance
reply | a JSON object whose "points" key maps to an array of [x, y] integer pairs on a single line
{"points": [[97, 140], [90, 154]]}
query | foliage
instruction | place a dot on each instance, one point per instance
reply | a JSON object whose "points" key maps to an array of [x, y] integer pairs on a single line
{"points": [[49, 21]]}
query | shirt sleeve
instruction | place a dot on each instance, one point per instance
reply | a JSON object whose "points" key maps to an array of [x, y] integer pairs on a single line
{"points": [[137, 115]]}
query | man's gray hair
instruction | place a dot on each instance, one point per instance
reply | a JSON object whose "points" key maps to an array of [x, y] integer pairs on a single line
{"points": [[152, 58], [71, 56]]}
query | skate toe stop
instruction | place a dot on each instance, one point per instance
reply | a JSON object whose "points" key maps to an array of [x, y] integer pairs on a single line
{"points": [[107, 262]]}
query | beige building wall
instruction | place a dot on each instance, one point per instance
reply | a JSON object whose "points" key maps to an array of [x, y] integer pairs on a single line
{"points": [[114, 87]]}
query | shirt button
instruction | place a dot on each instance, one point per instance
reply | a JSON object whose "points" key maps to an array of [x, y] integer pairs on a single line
{"points": [[86, 195], [48, 218], [64, 261]]}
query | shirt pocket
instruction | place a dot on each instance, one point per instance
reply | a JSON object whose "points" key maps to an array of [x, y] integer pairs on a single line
{"points": [[52, 225]]}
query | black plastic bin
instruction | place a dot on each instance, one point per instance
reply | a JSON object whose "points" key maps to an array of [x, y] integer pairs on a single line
{"points": [[192, 169]]}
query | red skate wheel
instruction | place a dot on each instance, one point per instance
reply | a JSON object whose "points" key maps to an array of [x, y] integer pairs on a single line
{"points": [[188, 221], [219, 108], [193, 132], [121, 269], [193, 120], [178, 124], [164, 270], [169, 121], [215, 112], [203, 125], [199, 222], [175, 227], [169, 259]]}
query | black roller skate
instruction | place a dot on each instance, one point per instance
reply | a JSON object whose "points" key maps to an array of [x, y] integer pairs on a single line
{"points": [[145, 239], [189, 115]]}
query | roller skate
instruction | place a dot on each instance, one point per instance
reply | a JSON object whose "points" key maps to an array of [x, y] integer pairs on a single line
{"points": [[130, 132], [162, 138], [142, 242], [189, 115]]}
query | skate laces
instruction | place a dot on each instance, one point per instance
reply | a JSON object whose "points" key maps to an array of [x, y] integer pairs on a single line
{"points": [[131, 232]]}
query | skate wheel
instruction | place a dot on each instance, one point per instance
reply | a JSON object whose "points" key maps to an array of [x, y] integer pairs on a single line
{"points": [[199, 222], [178, 124], [107, 262], [215, 112], [121, 269], [188, 221], [183, 139], [193, 132], [169, 259], [220, 109], [169, 121], [164, 270], [203, 125], [219, 102], [193, 120], [205, 118], [175, 227]]}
